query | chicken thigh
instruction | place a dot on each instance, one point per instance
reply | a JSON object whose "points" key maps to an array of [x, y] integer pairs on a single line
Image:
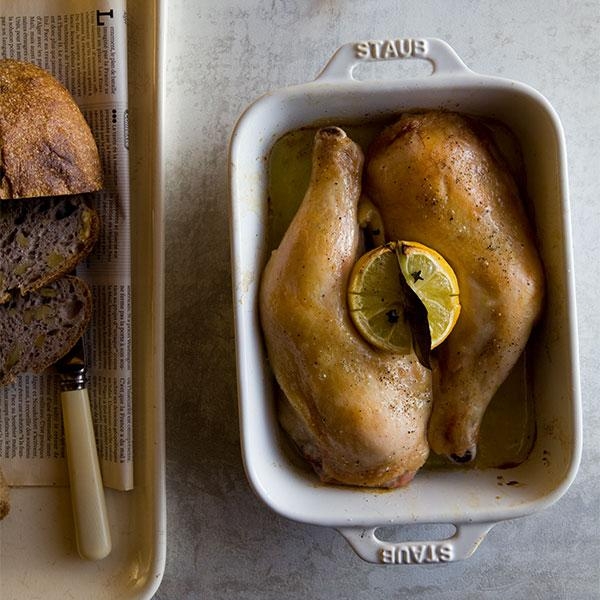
{"points": [[437, 178], [357, 414]]}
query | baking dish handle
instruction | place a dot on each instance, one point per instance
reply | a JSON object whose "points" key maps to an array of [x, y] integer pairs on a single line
{"points": [[440, 54], [461, 545]]}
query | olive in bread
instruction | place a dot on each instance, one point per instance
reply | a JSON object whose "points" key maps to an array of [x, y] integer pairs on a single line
{"points": [[42, 239], [41, 327], [46, 146]]}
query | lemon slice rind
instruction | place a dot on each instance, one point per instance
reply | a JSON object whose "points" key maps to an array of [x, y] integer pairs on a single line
{"points": [[376, 298]]}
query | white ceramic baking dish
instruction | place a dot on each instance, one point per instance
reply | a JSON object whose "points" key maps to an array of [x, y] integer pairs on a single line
{"points": [[472, 500]]}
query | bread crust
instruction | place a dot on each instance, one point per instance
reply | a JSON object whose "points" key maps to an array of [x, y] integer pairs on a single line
{"points": [[46, 146]]}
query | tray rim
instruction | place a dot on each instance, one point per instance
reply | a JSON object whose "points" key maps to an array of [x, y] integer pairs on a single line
{"points": [[150, 557]]}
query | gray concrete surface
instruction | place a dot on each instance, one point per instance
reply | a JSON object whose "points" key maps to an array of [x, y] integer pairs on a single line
{"points": [[221, 55]]}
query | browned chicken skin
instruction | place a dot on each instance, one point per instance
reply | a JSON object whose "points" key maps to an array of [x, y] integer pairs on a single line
{"points": [[357, 414], [436, 178]]}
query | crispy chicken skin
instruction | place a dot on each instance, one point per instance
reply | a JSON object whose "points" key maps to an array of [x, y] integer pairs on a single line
{"points": [[358, 415], [437, 178]]}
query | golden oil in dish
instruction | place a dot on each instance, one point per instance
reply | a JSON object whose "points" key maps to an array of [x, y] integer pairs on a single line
{"points": [[508, 428], [289, 171]]}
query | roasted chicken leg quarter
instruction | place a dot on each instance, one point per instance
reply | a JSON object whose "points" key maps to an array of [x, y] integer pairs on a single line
{"points": [[357, 414], [438, 178]]}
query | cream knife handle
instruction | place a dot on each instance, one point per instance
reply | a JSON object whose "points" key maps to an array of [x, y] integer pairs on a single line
{"points": [[87, 492]]}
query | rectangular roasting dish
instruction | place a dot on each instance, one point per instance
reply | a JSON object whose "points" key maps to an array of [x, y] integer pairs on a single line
{"points": [[472, 500]]}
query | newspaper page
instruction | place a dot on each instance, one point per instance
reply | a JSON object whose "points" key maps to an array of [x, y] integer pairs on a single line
{"points": [[84, 45]]}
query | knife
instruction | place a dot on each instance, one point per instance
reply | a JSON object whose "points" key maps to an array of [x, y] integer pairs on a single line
{"points": [[92, 530]]}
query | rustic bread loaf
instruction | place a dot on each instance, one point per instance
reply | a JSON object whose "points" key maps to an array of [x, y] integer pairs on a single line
{"points": [[46, 146], [42, 239], [41, 327], [4, 498]]}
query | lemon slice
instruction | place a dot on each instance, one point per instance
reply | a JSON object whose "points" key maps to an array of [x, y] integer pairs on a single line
{"points": [[376, 300], [379, 304], [433, 280]]}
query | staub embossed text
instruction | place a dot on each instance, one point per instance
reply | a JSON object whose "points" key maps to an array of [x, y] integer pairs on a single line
{"points": [[384, 49], [417, 554]]}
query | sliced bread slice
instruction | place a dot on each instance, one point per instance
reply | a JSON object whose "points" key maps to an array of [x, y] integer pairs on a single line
{"points": [[46, 145], [41, 327], [42, 239]]}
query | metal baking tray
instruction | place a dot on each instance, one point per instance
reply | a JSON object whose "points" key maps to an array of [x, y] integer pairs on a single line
{"points": [[472, 500], [38, 557]]}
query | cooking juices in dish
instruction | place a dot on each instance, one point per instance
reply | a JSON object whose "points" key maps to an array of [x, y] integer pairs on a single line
{"points": [[508, 427]]}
